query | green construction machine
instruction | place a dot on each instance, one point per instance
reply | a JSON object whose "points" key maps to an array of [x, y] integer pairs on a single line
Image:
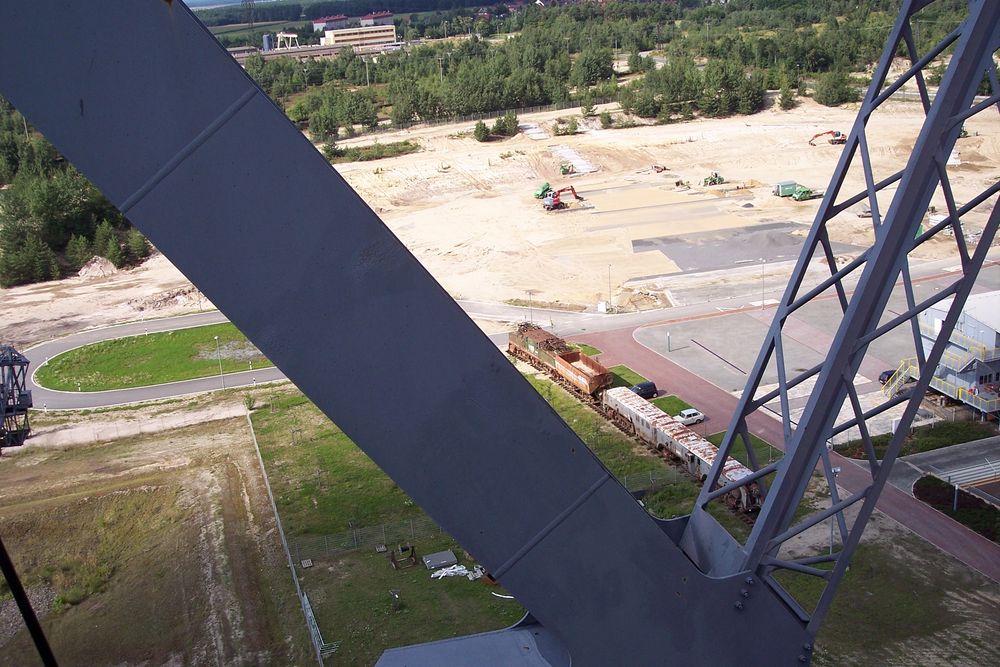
{"points": [[543, 190], [802, 193], [714, 179]]}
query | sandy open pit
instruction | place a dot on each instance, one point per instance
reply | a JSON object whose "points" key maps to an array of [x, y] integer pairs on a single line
{"points": [[466, 211]]}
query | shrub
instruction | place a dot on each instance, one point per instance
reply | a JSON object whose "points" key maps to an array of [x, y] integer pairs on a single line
{"points": [[834, 88], [606, 120], [481, 133], [785, 99]]}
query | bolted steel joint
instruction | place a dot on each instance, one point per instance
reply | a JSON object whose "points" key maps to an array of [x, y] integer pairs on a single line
{"points": [[738, 604]]}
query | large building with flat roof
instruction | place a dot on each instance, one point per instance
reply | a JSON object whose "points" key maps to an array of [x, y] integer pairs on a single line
{"points": [[360, 37]]}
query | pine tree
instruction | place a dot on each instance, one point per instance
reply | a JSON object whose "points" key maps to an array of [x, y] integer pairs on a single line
{"points": [[113, 253], [481, 133], [103, 236], [78, 252], [785, 99], [137, 246]]}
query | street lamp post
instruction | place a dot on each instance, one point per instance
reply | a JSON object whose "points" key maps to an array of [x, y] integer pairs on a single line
{"points": [[762, 283], [835, 471], [609, 289], [218, 355]]}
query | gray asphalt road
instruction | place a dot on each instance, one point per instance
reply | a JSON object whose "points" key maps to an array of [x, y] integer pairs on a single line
{"points": [[563, 322]]}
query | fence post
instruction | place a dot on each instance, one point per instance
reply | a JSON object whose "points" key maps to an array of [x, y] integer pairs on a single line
{"points": [[412, 536]]}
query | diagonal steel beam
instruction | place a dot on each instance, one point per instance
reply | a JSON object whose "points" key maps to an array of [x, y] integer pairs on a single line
{"points": [[166, 124]]}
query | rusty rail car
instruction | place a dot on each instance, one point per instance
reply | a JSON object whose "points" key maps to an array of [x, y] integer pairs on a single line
{"points": [[662, 432], [549, 352]]}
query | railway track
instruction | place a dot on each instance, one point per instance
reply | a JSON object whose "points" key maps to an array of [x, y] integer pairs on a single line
{"points": [[627, 430]]}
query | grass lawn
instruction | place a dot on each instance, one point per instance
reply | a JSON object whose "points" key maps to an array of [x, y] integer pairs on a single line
{"points": [[671, 404], [763, 450], [589, 350], [625, 376], [624, 456], [139, 361], [320, 479], [350, 597], [894, 594], [621, 454], [924, 439]]}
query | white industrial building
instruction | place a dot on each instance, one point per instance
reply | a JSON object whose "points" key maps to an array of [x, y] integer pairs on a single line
{"points": [[970, 366], [360, 37]]}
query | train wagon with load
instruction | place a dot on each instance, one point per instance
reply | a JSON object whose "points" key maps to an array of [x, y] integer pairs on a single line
{"points": [[550, 353], [662, 432]]}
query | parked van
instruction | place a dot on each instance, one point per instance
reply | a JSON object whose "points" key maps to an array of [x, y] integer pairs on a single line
{"points": [[646, 389]]}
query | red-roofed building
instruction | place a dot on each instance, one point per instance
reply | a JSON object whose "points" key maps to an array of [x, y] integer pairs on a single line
{"points": [[377, 18], [329, 23]]}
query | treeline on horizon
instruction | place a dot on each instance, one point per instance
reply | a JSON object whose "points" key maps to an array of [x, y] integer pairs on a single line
{"points": [[564, 53], [294, 11]]}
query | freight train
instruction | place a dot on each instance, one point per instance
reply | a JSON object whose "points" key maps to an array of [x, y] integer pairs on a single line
{"points": [[633, 414], [662, 432], [550, 353]]}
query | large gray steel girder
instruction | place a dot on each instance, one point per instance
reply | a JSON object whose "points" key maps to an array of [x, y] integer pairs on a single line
{"points": [[172, 130]]}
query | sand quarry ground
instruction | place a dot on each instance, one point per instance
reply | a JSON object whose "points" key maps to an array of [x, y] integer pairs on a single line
{"points": [[466, 211]]}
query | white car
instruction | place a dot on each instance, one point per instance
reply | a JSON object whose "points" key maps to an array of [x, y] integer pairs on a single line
{"points": [[690, 416]]}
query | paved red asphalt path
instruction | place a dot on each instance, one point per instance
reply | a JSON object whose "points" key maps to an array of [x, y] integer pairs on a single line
{"points": [[619, 347]]}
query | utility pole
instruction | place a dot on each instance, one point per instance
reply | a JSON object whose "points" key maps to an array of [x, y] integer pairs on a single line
{"points": [[609, 288], [218, 355]]}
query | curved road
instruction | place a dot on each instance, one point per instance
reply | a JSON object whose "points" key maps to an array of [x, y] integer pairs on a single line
{"points": [[615, 336]]}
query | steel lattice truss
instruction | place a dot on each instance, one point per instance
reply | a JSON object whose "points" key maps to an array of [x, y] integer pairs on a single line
{"points": [[15, 399], [879, 270]]}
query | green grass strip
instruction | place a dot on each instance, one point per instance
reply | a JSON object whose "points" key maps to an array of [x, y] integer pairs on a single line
{"points": [[140, 361], [625, 376]]}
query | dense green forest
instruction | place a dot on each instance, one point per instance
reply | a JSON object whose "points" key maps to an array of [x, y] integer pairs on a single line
{"points": [[707, 58], [52, 219]]}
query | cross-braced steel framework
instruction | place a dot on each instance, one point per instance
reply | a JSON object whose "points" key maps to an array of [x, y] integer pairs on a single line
{"points": [[15, 399], [879, 270]]}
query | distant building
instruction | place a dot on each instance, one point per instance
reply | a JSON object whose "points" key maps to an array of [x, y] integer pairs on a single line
{"points": [[325, 23], [360, 37], [268, 42], [241, 53], [376, 18], [970, 366]]}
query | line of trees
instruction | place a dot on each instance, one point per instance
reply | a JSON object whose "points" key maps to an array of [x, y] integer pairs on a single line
{"points": [[558, 53], [52, 219]]}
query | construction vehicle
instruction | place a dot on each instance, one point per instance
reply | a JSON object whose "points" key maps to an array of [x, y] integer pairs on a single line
{"points": [[553, 201], [567, 168], [802, 193], [543, 190], [795, 191], [836, 137], [713, 179], [784, 188]]}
